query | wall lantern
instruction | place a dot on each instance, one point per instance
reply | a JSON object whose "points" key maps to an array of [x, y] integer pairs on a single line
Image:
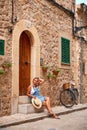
{"points": [[10, 29], [41, 61]]}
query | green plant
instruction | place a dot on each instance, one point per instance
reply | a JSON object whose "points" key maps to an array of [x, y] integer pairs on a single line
{"points": [[2, 71], [50, 75], [45, 66], [58, 70], [6, 64]]}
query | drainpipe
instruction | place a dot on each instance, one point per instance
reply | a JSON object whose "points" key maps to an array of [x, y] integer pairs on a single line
{"points": [[12, 18], [81, 65], [73, 20]]}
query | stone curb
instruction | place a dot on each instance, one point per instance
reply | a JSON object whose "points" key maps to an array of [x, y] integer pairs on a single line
{"points": [[40, 117]]}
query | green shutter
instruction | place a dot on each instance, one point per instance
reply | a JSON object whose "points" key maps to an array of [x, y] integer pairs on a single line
{"points": [[1, 47], [65, 51]]}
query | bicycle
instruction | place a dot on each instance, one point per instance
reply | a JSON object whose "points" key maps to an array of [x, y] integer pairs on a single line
{"points": [[69, 95]]}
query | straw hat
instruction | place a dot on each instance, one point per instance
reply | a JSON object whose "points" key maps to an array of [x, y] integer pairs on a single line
{"points": [[36, 102]]}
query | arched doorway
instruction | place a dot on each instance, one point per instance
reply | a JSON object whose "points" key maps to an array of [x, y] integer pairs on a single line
{"points": [[32, 37], [24, 63]]}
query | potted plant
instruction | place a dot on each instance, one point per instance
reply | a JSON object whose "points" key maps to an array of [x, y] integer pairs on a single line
{"points": [[45, 67], [56, 71], [50, 75], [2, 71], [6, 65]]}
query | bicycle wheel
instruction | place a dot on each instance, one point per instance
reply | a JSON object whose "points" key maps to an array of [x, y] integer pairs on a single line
{"points": [[67, 98], [75, 91]]}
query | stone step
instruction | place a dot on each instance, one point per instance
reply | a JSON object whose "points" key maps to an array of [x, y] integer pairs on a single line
{"points": [[25, 106], [28, 108], [24, 100]]}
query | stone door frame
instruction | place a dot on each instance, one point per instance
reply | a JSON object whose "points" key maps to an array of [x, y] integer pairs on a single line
{"points": [[21, 26]]}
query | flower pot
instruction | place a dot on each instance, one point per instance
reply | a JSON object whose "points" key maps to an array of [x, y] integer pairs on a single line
{"points": [[45, 68], [55, 72], [6, 68]]}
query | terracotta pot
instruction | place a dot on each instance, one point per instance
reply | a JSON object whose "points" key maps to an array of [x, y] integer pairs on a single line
{"points": [[55, 72], [6, 69], [45, 69]]}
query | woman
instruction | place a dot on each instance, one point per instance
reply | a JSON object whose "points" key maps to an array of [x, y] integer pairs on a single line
{"points": [[33, 91]]}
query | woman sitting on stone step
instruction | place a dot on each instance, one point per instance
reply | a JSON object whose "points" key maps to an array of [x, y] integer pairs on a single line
{"points": [[33, 91]]}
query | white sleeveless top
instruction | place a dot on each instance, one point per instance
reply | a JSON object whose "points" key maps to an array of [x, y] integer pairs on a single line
{"points": [[32, 90]]}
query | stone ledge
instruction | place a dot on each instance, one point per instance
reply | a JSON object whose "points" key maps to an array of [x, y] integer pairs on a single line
{"points": [[28, 109]]}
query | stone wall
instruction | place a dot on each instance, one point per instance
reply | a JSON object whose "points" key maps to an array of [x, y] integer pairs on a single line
{"points": [[5, 91], [70, 5], [51, 23], [84, 87], [5, 79], [81, 14]]}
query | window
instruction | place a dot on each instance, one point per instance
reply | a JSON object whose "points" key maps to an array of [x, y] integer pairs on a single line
{"points": [[1, 47], [65, 51]]}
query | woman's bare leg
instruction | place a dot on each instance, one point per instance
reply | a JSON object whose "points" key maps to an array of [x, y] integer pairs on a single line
{"points": [[47, 104]]}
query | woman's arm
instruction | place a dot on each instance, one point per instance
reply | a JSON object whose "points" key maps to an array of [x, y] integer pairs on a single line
{"points": [[29, 92]]}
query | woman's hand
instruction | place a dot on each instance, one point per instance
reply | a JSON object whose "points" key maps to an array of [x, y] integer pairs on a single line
{"points": [[34, 97], [41, 81]]}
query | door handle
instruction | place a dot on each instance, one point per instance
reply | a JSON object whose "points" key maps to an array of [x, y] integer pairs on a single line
{"points": [[26, 62]]}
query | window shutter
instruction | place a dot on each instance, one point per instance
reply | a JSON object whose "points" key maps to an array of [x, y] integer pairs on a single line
{"points": [[1, 47], [65, 51]]}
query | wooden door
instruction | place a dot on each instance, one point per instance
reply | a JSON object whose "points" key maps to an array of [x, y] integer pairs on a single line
{"points": [[24, 63]]}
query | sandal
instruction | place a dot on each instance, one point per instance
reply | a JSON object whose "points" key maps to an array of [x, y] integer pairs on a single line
{"points": [[55, 116], [51, 114]]}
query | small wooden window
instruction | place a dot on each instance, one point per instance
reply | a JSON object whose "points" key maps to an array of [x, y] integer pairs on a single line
{"points": [[65, 51]]}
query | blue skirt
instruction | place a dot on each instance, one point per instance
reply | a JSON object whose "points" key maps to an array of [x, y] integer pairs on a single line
{"points": [[42, 98], [38, 95]]}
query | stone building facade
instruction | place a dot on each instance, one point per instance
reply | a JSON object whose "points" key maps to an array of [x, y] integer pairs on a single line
{"points": [[81, 34], [31, 35]]}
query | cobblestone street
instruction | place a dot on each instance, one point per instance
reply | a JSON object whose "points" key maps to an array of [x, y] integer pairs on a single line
{"points": [[73, 121]]}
